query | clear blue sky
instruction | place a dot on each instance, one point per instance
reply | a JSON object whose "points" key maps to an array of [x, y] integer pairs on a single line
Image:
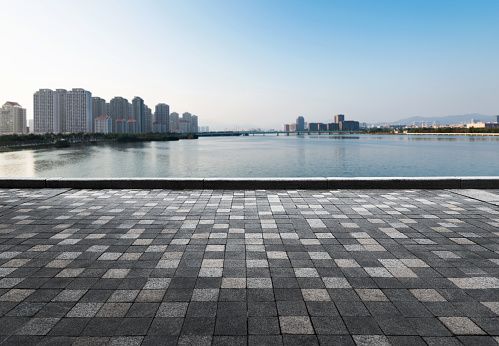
{"points": [[260, 62]]}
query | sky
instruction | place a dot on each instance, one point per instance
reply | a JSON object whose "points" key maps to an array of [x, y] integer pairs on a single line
{"points": [[259, 63]]}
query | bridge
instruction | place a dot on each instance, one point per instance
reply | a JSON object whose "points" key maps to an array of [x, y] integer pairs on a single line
{"points": [[287, 133]]}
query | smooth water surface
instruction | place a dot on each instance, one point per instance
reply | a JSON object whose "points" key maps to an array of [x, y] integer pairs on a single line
{"points": [[265, 156]]}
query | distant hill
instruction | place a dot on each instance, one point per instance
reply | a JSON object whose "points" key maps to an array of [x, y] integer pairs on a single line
{"points": [[446, 120]]}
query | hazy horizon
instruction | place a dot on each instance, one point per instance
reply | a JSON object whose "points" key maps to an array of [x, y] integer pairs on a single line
{"points": [[254, 62]]}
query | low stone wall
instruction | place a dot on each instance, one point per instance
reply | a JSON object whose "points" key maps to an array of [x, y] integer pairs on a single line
{"points": [[255, 183]]}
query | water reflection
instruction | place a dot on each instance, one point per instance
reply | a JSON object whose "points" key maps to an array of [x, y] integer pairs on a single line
{"points": [[269, 156]]}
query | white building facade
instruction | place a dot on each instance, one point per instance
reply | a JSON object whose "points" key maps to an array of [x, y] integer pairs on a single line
{"points": [[103, 124], [46, 111], [12, 118], [78, 111]]}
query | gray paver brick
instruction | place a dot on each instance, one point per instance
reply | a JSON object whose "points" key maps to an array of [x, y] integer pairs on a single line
{"points": [[365, 267]]}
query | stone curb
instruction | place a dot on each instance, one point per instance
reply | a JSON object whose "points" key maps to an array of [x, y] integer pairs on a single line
{"points": [[318, 183]]}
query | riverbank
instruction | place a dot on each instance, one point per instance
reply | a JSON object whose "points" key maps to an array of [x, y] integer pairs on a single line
{"points": [[14, 143]]}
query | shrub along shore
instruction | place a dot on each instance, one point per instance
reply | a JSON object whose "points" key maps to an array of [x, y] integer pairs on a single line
{"points": [[59, 140]]}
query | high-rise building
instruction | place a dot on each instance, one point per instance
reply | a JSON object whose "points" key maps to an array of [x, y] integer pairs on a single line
{"points": [[174, 122], [78, 111], [162, 117], [194, 124], [108, 109], [46, 111], [147, 119], [61, 101], [185, 125], [98, 110], [131, 126], [12, 118], [138, 113], [300, 123], [338, 118], [120, 126], [118, 109], [103, 124], [497, 118]]}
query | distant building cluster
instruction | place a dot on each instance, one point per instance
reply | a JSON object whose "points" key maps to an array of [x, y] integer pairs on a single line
{"points": [[76, 111], [339, 124], [12, 118], [483, 124]]}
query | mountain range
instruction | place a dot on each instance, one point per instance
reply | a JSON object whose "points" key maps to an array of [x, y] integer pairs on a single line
{"points": [[445, 120]]}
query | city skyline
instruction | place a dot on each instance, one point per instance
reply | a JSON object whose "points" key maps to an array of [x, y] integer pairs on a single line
{"points": [[77, 110], [260, 63]]}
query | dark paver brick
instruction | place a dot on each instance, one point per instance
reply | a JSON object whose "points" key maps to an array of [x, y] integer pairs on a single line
{"points": [[234, 267]]}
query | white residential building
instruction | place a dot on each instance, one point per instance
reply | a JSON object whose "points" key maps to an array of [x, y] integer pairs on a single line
{"points": [[174, 122], [46, 111], [103, 124], [138, 114], [162, 118], [98, 110], [79, 111], [194, 124], [185, 124], [12, 118]]}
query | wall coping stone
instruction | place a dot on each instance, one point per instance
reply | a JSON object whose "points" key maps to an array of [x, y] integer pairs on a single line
{"points": [[316, 183]]}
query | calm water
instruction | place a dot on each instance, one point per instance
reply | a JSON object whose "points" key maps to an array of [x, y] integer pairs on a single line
{"points": [[266, 156]]}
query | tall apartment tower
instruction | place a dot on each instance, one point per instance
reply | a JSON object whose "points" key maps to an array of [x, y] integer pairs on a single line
{"points": [[107, 108], [147, 119], [174, 122], [497, 118], [12, 118], [61, 101], [185, 122], [162, 117], [194, 124], [98, 110], [138, 112], [338, 118], [78, 111], [46, 111], [300, 123], [118, 109]]}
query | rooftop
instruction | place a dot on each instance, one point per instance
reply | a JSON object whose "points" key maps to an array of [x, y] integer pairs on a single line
{"points": [[237, 267]]}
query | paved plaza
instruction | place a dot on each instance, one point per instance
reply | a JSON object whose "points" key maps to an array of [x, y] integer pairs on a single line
{"points": [[257, 267]]}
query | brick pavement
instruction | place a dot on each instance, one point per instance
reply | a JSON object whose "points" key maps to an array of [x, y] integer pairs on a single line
{"points": [[329, 267]]}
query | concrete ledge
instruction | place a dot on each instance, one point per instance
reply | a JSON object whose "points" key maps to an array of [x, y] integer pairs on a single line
{"points": [[127, 183], [22, 183], [318, 183], [480, 183], [395, 183], [265, 183]]}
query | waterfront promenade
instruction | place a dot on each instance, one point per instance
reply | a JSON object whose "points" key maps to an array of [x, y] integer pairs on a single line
{"points": [[249, 267]]}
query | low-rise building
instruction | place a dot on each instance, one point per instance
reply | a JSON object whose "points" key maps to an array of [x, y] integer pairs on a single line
{"points": [[349, 125], [103, 124]]}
